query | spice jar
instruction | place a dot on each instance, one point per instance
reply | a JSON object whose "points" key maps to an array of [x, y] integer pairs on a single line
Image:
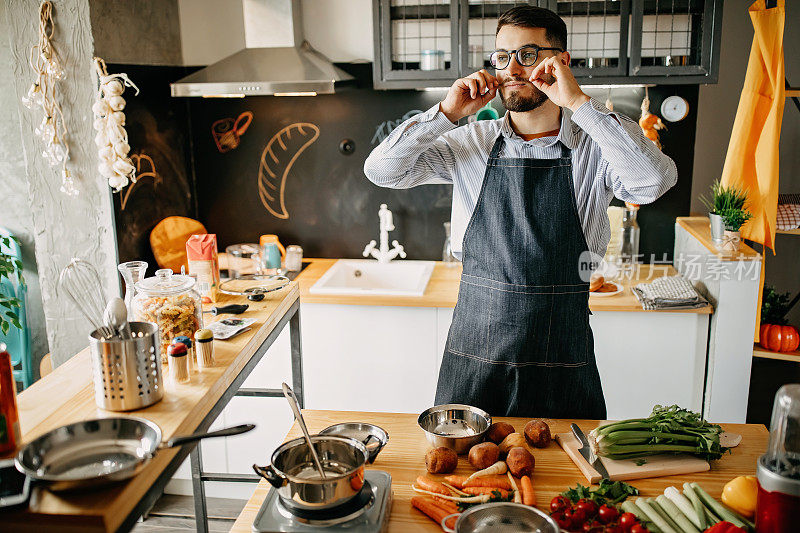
{"points": [[192, 356], [178, 356], [204, 347], [171, 302]]}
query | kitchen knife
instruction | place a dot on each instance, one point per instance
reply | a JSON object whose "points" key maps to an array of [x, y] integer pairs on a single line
{"points": [[234, 309], [586, 451]]}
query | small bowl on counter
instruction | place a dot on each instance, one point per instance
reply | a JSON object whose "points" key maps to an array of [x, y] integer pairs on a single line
{"points": [[501, 516], [454, 426], [373, 437]]}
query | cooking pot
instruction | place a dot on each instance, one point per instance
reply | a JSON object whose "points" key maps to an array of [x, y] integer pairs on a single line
{"points": [[501, 517], [294, 476]]}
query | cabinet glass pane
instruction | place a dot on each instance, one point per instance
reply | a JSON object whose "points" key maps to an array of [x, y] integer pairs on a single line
{"points": [[483, 15], [671, 32], [593, 32], [421, 35]]}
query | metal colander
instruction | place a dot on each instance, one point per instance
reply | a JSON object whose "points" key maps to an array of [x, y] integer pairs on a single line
{"points": [[503, 517], [127, 373]]}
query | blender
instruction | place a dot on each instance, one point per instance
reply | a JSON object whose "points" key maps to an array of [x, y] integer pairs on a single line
{"points": [[778, 470]]}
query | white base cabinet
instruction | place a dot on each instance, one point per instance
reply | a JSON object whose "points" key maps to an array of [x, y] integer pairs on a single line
{"points": [[383, 358]]}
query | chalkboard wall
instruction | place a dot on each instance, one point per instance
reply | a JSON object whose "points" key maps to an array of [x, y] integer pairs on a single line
{"points": [[274, 165]]}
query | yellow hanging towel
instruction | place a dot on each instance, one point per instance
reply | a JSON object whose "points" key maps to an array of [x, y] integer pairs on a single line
{"points": [[752, 160], [751, 163]]}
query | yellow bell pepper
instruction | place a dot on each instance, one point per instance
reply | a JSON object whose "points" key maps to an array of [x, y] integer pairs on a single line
{"points": [[740, 494]]}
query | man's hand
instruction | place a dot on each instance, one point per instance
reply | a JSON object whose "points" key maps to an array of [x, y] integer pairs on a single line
{"points": [[467, 95], [555, 79]]}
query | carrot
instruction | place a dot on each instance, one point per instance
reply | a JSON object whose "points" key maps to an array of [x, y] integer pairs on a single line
{"points": [[447, 505], [486, 490], [429, 507], [528, 496], [499, 467], [456, 480], [431, 485]]}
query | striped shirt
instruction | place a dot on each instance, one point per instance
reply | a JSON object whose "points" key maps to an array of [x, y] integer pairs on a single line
{"points": [[609, 158]]}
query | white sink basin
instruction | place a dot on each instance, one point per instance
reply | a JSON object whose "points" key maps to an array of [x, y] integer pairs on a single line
{"points": [[368, 277]]}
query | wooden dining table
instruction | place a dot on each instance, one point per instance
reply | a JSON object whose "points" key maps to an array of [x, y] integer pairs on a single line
{"points": [[404, 459], [67, 395]]}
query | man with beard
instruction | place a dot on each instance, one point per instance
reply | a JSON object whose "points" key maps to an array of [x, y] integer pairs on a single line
{"points": [[530, 193]]}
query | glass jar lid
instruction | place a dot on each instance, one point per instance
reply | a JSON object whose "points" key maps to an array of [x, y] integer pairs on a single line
{"points": [[165, 283], [243, 250]]}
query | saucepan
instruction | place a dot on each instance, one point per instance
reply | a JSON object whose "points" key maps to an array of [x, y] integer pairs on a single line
{"points": [[93, 453], [297, 481]]}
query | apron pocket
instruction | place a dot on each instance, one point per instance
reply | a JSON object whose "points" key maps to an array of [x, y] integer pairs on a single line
{"points": [[521, 322], [469, 330], [570, 339]]}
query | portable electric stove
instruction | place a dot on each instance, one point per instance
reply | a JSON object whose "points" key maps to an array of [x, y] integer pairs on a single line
{"points": [[367, 512]]}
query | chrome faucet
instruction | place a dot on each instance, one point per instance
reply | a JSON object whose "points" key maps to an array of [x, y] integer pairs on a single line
{"points": [[384, 254]]}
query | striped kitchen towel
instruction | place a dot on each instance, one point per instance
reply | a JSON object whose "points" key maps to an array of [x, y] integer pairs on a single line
{"points": [[668, 292]]}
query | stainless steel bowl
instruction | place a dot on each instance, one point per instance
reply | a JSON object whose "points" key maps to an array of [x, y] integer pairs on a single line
{"points": [[455, 426], [502, 517], [294, 476], [373, 437]]}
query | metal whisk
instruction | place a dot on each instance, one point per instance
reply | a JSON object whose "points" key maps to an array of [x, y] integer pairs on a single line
{"points": [[80, 281]]}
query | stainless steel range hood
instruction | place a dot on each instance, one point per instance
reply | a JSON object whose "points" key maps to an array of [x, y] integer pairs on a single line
{"points": [[277, 60]]}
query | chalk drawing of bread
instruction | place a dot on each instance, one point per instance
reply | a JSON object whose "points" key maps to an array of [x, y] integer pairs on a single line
{"points": [[277, 160]]}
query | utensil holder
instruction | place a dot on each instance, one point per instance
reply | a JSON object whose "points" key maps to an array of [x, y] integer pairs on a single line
{"points": [[127, 373]]}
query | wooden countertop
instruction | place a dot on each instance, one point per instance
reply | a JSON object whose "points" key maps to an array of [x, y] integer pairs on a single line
{"points": [[700, 228], [67, 395], [442, 290], [404, 458]]}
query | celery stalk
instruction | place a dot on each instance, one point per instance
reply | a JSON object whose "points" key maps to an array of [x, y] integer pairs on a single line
{"points": [[676, 514], [654, 516], [696, 515]]}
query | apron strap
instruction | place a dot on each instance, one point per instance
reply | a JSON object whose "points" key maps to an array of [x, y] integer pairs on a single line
{"points": [[498, 145], [565, 152]]}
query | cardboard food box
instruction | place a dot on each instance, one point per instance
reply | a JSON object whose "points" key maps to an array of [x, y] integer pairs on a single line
{"points": [[201, 253]]}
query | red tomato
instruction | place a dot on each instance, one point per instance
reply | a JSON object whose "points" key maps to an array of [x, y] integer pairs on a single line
{"points": [[779, 338], [607, 514], [639, 528], [562, 522], [627, 521], [588, 506], [592, 526], [559, 503], [613, 528]]}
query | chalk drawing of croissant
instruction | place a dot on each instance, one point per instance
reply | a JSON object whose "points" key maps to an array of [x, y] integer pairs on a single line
{"points": [[277, 160]]}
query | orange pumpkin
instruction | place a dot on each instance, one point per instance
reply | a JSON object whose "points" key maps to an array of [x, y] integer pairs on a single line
{"points": [[779, 338]]}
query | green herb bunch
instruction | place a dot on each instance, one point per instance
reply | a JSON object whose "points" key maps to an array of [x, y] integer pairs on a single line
{"points": [[609, 491], [735, 218], [774, 306], [10, 268], [667, 430]]}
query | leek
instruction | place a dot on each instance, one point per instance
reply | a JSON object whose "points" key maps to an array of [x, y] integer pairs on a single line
{"points": [[668, 430]]}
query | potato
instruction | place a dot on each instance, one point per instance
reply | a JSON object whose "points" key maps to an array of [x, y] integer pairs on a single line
{"points": [[520, 461], [537, 433], [441, 460], [511, 440], [498, 431], [484, 455]]}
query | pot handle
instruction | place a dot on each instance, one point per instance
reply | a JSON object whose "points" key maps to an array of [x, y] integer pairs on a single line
{"points": [[444, 523], [374, 453], [227, 432], [268, 473]]}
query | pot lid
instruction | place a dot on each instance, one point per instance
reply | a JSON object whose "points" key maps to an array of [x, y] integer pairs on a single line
{"points": [[165, 283]]}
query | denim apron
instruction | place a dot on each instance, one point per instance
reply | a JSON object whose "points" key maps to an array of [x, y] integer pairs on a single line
{"points": [[520, 342]]}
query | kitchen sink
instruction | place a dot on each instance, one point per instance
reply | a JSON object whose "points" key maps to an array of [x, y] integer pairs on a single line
{"points": [[368, 277]]}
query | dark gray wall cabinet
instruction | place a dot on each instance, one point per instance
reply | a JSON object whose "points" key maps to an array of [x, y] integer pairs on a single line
{"points": [[429, 43]]}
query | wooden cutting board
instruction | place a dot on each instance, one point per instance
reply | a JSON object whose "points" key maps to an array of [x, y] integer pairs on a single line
{"points": [[624, 470]]}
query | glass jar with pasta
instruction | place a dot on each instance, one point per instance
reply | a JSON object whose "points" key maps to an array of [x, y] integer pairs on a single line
{"points": [[172, 303]]}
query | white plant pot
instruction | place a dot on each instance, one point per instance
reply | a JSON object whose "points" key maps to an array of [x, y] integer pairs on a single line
{"points": [[730, 241], [717, 228]]}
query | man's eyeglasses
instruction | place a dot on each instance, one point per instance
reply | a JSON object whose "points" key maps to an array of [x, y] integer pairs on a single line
{"points": [[526, 56]]}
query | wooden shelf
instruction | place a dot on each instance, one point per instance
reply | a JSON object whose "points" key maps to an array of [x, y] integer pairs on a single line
{"points": [[793, 92], [788, 231], [759, 351]]}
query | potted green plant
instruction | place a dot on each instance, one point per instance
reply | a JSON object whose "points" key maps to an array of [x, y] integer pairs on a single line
{"points": [[733, 220], [724, 200], [10, 268]]}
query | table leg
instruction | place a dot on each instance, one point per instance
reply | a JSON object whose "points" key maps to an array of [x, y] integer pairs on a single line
{"points": [[198, 490], [297, 357]]}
